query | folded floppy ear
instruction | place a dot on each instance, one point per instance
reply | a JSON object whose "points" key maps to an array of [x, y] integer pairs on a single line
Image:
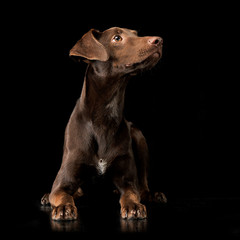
{"points": [[89, 47]]}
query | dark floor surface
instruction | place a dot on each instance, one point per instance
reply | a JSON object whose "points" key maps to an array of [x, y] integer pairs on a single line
{"points": [[179, 217]]}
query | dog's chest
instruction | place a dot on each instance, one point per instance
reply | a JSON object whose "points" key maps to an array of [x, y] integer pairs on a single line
{"points": [[101, 166], [108, 146], [105, 156], [102, 154]]}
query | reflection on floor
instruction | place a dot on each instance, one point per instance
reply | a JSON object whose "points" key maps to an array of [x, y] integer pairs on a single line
{"points": [[192, 216], [125, 226]]}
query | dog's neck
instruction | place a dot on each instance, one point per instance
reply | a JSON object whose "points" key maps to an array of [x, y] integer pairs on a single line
{"points": [[103, 96]]}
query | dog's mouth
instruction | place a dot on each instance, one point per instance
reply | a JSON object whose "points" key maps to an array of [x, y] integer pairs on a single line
{"points": [[146, 63]]}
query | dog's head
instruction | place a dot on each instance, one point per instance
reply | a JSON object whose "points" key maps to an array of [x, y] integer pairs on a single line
{"points": [[120, 48]]}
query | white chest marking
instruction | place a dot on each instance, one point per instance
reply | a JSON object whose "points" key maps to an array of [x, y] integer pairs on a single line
{"points": [[101, 166]]}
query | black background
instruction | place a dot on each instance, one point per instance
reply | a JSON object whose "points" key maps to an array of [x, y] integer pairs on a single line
{"points": [[187, 106]]}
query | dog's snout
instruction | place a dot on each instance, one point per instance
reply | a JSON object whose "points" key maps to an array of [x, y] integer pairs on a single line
{"points": [[155, 41]]}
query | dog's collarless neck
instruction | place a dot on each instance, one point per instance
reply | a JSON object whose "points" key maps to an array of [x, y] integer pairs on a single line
{"points": [[103, 98]]}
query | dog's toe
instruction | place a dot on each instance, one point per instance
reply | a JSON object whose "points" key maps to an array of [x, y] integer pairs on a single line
{"points": [[64, 212], [134, 211]]}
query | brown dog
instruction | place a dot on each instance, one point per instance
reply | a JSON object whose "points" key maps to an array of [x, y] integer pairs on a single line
{"points": [[97, 135]]}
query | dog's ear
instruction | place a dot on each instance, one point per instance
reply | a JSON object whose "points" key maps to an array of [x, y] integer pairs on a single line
{"points": [[89, 47], [134, 32]]}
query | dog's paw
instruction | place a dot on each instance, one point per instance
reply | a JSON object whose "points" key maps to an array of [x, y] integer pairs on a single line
{"points": [[45, 199], [64, 212], [132, 210]]}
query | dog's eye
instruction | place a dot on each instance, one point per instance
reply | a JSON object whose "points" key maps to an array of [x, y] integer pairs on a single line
{"points": [[117, 38]]}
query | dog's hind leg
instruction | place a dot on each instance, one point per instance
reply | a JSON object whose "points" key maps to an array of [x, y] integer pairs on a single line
{"points": [[45, 199], [79, 193]]}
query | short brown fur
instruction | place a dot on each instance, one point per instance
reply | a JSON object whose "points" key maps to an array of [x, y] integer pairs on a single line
{"points": [[97, 135]]}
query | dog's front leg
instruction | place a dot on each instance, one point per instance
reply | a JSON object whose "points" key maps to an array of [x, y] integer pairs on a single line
{"points": [[64, 189], [126, 182], [131, 208], [63, 206]]}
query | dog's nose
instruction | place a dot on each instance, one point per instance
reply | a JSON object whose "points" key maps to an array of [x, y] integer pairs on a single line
{"points": [[155, 41]]}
